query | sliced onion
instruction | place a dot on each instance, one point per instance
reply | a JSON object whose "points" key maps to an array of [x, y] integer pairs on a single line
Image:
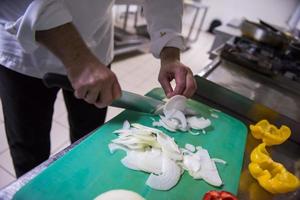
{"points": [[176, 109], [171, 173], [214, 115], [183, 129], [126, 125], [172, 124], [177, 102], [133, 131], [148, 161], [214, 110], [194, 133], [191, 163], [169, 113], [172, 155], [131, 143], [166, 126], [198, 123], [113, 147], [185, 151], [176, 114], [218, 160], [126, 140], [140, 126], [169, 147], [151, 162], [155, 123], [198, 148], [141, 132], [190, 147], [122, 131], [167, 142], [152, 119], [208, 170], [146, 138], [150, 150], [130, 163]]}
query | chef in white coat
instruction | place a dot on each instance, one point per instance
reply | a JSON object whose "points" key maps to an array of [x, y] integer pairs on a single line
{"points": [[73, 37]]}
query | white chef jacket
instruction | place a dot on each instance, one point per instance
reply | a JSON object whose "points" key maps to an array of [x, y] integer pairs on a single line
{"points": [[20, 19]]}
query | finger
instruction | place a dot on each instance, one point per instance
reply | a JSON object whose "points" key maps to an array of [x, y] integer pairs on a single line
{"points": [[81, 92], [106, 97], [116, 90], [180, 79], [191, 85], [164, 81], [92, 95]]}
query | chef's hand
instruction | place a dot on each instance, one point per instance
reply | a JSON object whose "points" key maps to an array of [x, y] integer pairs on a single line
{"points": [[95, 83], [172, 68], [92, 80]]}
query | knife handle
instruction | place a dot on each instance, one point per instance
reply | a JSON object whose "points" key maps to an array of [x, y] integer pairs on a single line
{"points": [[128, 100], [57, 80]]}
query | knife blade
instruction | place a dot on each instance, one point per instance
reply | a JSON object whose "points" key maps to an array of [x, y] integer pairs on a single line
{"points": [[128, 100]]}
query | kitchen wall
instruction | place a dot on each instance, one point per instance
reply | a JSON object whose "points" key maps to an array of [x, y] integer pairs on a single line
{"points": [[273, 11]]}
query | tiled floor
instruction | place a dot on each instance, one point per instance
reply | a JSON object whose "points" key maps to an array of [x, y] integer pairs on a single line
{"points": [[137, 74]]}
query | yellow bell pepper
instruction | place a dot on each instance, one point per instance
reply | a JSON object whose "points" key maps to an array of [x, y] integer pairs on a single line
{"points": [[269, 133], [272, 176]]}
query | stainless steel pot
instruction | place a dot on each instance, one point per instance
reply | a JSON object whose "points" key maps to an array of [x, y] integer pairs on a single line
{"points": [[262, 34]]}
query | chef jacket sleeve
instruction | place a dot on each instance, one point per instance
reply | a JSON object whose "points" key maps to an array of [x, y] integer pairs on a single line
{"points": [[39, 15], [164, 19]]}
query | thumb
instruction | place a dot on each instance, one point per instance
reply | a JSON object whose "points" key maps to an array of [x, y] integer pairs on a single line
{"points": [[116, 90], [165, 83]]}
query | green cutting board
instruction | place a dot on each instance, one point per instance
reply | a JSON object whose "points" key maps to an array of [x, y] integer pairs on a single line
{"points": [[89, 169]]}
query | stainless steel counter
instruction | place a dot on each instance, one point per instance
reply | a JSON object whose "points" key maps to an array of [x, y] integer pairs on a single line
{"points": [[259, 97], [250, 98], [248, 84]]}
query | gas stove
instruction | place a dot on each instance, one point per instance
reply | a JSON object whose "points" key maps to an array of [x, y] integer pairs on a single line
{"points": [[262, 58]]}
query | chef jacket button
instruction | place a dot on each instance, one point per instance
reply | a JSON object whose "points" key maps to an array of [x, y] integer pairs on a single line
{"points": [[162, 34]]}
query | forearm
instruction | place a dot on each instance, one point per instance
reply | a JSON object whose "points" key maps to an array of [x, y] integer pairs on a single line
{"points": [[91, 79], [66, 43], [169, 54]]}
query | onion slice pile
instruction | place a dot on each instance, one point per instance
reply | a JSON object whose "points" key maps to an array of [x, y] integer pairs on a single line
{"points": [[149, 150], [177, 116], [152, 151]]}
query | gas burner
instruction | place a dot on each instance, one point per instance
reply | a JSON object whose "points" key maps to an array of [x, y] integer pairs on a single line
{"points": [[261, 58]]}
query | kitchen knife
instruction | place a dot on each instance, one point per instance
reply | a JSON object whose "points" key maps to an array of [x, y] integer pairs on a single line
{"points": [[128, 100]]}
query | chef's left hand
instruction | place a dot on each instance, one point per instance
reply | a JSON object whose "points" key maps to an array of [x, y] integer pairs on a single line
{"points": [[172, 68]]}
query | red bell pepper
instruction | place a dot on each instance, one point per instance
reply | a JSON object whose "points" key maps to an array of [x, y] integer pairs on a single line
{"points": [[219, 195]]}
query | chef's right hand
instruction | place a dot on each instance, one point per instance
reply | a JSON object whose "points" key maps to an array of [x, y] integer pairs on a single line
{"points": [[95, 83], [91, 80]]}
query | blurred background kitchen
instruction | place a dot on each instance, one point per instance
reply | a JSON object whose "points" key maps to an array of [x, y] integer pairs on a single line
{"points": [[218, 41]]}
